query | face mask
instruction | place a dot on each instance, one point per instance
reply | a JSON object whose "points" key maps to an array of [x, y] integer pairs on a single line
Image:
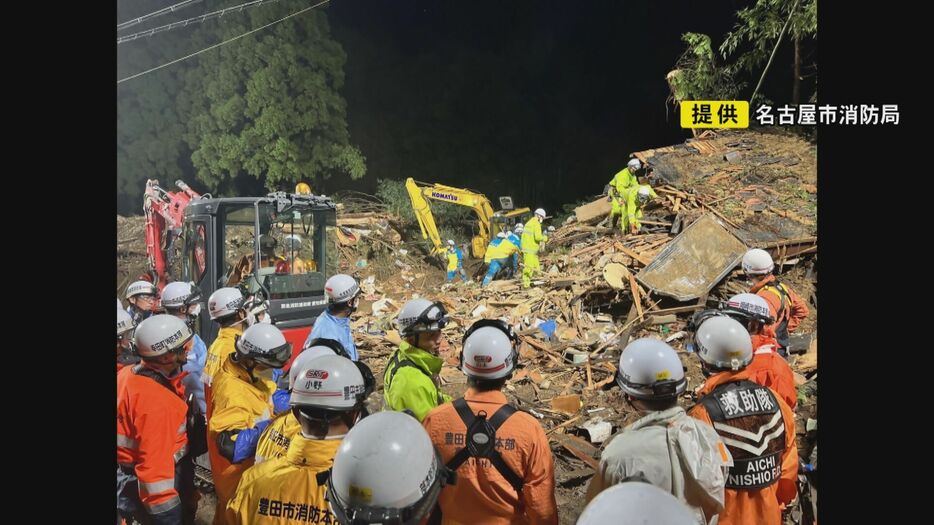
{"points": [[193, 312]]}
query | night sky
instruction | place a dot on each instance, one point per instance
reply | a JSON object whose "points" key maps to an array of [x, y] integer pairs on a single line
{"points": [[541, 100]]}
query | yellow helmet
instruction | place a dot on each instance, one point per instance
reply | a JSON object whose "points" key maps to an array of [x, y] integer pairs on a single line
{"points": [[302, 187]]}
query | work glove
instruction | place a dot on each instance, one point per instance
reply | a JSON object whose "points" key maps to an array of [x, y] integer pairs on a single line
{"points": [[280, 401]]}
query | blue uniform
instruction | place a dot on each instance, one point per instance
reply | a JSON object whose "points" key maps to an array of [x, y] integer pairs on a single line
{"points": [[337, 328], [195, 367]]}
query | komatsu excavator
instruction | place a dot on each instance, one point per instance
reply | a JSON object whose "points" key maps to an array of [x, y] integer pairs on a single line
{"points": [[487, 219]]}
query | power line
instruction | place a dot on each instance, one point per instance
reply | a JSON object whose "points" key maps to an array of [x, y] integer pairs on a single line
{"points": [[193, 20], [141, 19], [177, 60]]}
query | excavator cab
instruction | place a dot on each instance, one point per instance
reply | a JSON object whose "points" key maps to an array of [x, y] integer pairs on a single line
{"points": [[282, 247]]}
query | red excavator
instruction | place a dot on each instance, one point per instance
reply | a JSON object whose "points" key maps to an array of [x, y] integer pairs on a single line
{"points": [[216, 243]]}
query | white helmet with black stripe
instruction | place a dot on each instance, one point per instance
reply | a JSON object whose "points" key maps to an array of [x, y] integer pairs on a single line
{"points": [[161, 334], [265, 344], [722, 343], [385, 471], [225, 302], [650, 369]]}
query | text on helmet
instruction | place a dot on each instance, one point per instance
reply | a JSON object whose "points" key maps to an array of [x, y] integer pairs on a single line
{"points": [[316, 374], [167, 343]]}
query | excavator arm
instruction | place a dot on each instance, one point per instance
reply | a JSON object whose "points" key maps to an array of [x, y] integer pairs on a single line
{"points": [[164, 219], [420, 191]]}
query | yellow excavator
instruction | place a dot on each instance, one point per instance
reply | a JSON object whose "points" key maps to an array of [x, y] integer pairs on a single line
{"points": [[419, 192]]}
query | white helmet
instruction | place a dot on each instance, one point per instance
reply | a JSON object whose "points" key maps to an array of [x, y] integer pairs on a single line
{"points": [[385, 471], [723, 343], [161, 334], [254, 306], [748, 306], [540, 212], [757, 262], [141, 287], [179, 294], [501, 235], [305, 357], [224, 302], [635, 502], [421, 315], [519, 227], [451, 242], [489, 350], [341, 288], [292, 242], [643, 193], [650, 369], [125, 322], [634, 164], [331, 382], [265, 344]]}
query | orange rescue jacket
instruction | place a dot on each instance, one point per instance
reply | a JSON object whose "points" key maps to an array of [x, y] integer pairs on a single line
{"points": [[482, 494]]}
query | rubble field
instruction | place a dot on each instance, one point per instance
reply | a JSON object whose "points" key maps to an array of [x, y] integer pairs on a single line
{"points": [[719, 194]]}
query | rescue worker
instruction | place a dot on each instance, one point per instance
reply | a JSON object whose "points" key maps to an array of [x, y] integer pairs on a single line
{"points": [[155, 474], [274, 441], [125, 328], [231, 310], [242, 406], [334, 322], [498, 257], [385, 471], [785, 306], [513, 480], [327, 399], [411, 380], [618, 191], [294, 263], [531, 242], [516, 237], [755, 424], [637, 197], [665, 447], [455, 258], [635, 502], [267, 252], [225, 306], [142, 298], [181, 300], [767, 367]]}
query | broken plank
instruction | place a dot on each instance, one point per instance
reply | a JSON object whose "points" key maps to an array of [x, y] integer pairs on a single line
{"points": [[718, 214], [669, 189], [632, 254], [562, 425], [636, 299], [579, 454]]}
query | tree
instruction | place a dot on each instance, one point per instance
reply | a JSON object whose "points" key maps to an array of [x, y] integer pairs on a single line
{"points": [[758, 29], [149, 131], [697, 76], [264, 110], [268, 105]]}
